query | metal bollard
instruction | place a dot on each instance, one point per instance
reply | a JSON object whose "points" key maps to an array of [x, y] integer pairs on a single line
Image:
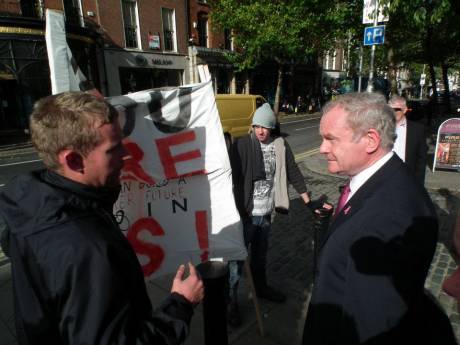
{"points": [[320, 225], [215, 279]]}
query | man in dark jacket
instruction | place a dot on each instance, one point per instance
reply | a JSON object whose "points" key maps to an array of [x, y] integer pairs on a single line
{"points": [[76, 280], [376, 253], [262, 166], [410, 144]]}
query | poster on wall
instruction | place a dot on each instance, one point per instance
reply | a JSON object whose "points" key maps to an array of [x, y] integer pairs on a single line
{"points": [[154, 41], [176, 202], [447, 152]]}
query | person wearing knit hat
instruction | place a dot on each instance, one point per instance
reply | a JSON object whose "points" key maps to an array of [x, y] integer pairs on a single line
{"points": [[262, 166]]}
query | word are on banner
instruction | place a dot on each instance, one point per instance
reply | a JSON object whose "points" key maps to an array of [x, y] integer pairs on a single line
{"points": [[176, 201], [447, 153]]}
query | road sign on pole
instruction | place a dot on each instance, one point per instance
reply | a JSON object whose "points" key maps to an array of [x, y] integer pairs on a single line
{"points": [[374, 35]]}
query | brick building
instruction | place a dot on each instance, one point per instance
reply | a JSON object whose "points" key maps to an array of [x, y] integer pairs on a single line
{"points": [[121, 46], [209, 46]]}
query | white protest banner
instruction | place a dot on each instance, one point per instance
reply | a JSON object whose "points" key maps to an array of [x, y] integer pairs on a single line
{"points": [[65, 74], [176, 202]]}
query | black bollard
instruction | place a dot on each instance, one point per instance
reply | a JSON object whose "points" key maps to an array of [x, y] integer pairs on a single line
{"points": [[215, 279], [320, 225]]}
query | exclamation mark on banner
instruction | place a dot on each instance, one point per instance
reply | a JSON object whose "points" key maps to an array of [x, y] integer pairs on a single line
{"points": [[201, 226]]}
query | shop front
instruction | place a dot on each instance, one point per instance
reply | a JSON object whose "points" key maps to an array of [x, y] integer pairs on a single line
{"points": [[131, 71], [25, 74]]}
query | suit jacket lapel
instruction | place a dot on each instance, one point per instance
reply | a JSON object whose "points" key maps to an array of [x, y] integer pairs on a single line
{"points": [[365, 191]]}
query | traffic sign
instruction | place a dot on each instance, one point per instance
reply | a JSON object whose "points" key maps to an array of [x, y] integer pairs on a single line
{"points": [[374, 35]]}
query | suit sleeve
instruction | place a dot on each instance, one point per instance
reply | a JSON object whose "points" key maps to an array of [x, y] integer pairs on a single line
{"points": [[421, 155]]}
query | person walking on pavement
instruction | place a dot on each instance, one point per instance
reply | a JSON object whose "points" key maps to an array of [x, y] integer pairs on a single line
{"points": [[262, 166], [410, 144], [375, 256], [76, 279]]}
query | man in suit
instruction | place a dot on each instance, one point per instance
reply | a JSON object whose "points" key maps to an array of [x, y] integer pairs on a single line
{"points": [[410, 144], [374, 258]]}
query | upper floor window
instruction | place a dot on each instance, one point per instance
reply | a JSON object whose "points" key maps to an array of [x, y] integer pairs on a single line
{"points": [[202, 27], [72, 12], [228, 42], [32, 8], [130, 23], [169, 29]]}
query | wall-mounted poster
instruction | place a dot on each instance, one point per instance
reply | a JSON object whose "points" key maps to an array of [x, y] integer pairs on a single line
{"points": [[447, 153], [154, 41]]}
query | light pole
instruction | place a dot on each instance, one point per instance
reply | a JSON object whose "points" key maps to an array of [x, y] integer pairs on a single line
{"points": [[370, 86]]}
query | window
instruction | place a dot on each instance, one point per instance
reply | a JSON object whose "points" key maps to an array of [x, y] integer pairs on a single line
{"points": [[228, 43], [72, 11], [202, 28], [169, 29], [130, 23], [31, 8]]}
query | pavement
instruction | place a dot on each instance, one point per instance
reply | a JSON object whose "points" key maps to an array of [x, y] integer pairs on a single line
{"points": [[290, 264]]}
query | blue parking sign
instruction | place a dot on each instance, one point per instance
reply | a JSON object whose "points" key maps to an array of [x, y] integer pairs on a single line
{"points": [[374, 35]]}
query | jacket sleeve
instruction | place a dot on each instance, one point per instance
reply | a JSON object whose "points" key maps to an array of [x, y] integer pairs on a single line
{"points": [[99, 303], [4, 237], [238, 177], [294, 174]]}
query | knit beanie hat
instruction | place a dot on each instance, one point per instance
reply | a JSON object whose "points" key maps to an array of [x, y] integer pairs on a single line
{"points": [[264, 117]]}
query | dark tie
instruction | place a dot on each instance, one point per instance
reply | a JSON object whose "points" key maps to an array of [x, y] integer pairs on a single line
{"points": [[343, 198]]}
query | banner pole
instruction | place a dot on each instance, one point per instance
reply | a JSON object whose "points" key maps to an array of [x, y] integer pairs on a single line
{"points": [[254, 297]]}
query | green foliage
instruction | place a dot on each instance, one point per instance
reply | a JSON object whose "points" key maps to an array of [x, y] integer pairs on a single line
{"points": [[281, 31]]}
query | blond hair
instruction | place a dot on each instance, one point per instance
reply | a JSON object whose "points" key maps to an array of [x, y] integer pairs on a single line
{"points": [[68, 120]]}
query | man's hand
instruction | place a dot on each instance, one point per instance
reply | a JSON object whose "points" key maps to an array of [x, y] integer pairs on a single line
{"points": [[318, 204], [191, 287]]}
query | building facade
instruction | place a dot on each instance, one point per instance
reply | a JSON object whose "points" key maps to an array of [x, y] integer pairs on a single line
{"points": [[120, 45], [209, 46]]}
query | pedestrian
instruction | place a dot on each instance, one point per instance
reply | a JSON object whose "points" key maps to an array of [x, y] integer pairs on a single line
{"points": [[410, 144], [375, 256], [262, 166], [76, 279]]}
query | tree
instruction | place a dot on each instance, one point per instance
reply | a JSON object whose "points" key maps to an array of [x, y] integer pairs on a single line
{"points": [[425, 31], [284, 32]]}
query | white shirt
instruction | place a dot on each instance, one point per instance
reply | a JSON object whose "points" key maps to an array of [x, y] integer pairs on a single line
{"points": [[400, 143], [359, 179]]}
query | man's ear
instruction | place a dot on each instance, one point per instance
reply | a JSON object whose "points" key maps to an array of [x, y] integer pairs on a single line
{"points": [[71, 161], [373, 141]]}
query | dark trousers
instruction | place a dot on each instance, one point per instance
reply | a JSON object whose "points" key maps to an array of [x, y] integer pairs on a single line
{"points": [[256, 230]]}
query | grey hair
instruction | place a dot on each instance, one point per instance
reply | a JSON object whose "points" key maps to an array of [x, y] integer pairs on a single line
{"points": [[395, 99], [365, 111]]}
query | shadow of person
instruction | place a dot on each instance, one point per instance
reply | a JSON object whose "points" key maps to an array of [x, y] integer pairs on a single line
{"points": [[402, 264]]}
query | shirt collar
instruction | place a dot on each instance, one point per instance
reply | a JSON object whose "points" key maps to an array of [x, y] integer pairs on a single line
{"points": [[359, 179]]}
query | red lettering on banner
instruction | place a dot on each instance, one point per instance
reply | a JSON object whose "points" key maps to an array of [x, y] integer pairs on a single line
{"points": [[132, 169], [155, 253], [169, 161], [201, 226]]}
